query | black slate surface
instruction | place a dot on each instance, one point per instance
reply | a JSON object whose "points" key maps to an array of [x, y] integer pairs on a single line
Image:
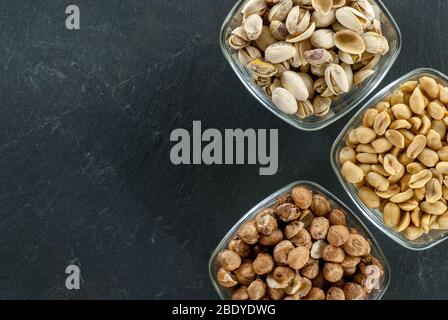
{"points": [[84, 148]]}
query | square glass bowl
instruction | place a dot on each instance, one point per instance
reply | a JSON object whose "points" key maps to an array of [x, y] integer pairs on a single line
{"points": [[344, 103], [375, 216], [351, 218]]}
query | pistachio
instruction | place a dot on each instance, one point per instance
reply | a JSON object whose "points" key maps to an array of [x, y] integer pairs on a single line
{"points": [[279, 52], [284, 100], [280, 10], [323, 38], [336, 79], [323, 20], [265, 39], [254, 7], [238, 39], [304, 109], [261, 69], [302, 36], [292, 82], [375, 43], [321, 106], [253, 26], [318, 57], [298, 20], [248, 54], [278, 30], [322, 6]]}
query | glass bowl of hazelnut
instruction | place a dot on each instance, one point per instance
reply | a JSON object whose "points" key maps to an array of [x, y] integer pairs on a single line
{"points": [[300, 243]]}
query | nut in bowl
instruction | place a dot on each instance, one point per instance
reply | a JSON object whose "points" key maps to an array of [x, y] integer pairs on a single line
{"points": [[392, 159], [301, 243], [310, 62]]}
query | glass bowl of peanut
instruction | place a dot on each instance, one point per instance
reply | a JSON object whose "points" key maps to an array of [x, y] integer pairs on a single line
{"points": [[300, 243], [310, 62], [392, 159]]}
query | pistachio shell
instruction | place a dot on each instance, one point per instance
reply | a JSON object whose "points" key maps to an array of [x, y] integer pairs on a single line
{"points": [[349, 73], [279, 52], [350, 42], [322, 6], [336, 79], [351, 19], [299, 58], [323, 20], [303, 36], [278, 30], [321, 106], [292, 82], [349, 58], [261, 69], [375, 43], [323, 38], [362, 75], [248, 54], [365, 8], [298, 20], [280, 10], [318, 57], [284, 100], [253, 26], [238, 38], [304, 109], [254, 7]]}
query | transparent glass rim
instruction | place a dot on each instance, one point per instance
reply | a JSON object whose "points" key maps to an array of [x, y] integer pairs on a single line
{"points": [[321, 125], [340, 139], [232, 232]]}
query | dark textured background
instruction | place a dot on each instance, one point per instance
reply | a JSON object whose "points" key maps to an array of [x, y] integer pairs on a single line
{"points": [[85, 173]]}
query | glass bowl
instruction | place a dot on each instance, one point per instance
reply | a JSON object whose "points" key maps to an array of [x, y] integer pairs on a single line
{"points": [[351, 218], [375, 216], [343, 104]]}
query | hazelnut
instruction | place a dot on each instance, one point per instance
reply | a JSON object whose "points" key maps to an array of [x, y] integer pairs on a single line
{"points": [[333, 254], [315, 294], [305, 287], [349, 271], [226, 278], [276, 294], [281, 252], [256, 290], [354, 291], [249, 232], [240, 294], [266, 222], [317, 249], [302, 239], [302, 197], [292, 229], [319, 281], [360, 279], [320, 205], [298, 257], [319, 228], [292, 297], [370, 260], [240, 247], [335, 293], [311, 269], [337, 217], [283, 275], [357, 246], [337, 235], [256, 250], [339, 284], [245, 274], [229, 260], [350, 261], [288, 212], [272, 239], [294, 285], [274, 284], [284, 198], [263, 264], [332, 272], [306, 217]]}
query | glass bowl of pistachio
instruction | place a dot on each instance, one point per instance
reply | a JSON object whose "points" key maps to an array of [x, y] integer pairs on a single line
{"points": [[392, 159], [300, 243], [310, 62]]}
